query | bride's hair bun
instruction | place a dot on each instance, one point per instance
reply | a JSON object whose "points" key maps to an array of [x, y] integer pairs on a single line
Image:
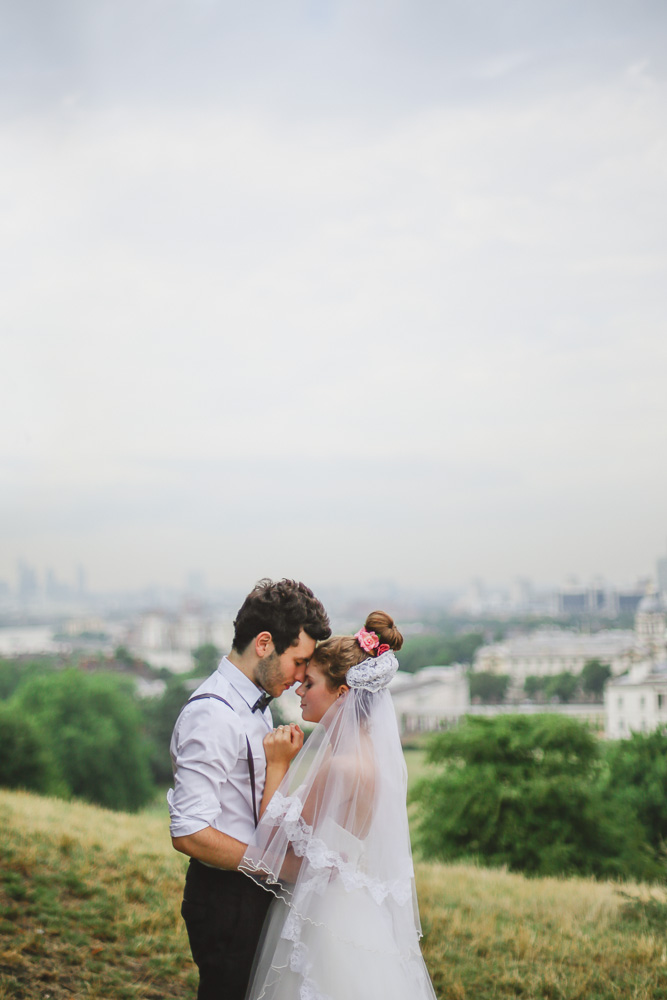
{"points": [[383, 625], [336, 655]]}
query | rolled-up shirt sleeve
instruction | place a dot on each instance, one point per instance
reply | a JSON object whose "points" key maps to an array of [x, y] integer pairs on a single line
{"points": [[205, 746]]}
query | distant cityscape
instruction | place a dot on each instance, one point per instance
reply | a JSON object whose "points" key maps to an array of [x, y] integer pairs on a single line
{"points": [[167, 623], [33, 595], [545, 632]]}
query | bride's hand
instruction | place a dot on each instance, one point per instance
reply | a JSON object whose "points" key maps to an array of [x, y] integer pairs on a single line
{"points": [[283, 744]]}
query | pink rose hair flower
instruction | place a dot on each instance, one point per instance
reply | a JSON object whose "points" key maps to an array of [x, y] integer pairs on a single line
{"points": [[367, 640]]}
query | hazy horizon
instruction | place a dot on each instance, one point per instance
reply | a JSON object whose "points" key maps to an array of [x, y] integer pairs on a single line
{"points": [[336, 291], [195, 584]]}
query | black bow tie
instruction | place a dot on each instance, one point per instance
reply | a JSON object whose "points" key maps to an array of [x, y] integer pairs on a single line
{"points": [[262, 702]]}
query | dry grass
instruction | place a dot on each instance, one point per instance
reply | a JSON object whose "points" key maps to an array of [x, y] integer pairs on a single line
{"points": [[491, 934], [89, 904], [89, 908]]}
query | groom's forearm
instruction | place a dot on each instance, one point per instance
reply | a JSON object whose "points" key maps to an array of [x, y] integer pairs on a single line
{"points": [[212, 847]]}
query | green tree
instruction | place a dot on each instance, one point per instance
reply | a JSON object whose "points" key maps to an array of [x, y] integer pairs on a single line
{"points": [[14, 672], [93, 729], [534, 685], [637, 777], [489, 688], [594, 676], [523, 791], [438, 650], [160, 715], [563, 686], [25, 761], [206, 659]]}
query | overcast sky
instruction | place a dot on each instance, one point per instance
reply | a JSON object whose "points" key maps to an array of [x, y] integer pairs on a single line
{"points": [[336, 290]]}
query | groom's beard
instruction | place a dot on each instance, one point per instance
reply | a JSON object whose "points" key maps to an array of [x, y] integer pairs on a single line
{"points": [[269, 674]]}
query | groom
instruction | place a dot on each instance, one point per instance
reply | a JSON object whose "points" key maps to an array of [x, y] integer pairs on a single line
{"points": [[219, 769]]}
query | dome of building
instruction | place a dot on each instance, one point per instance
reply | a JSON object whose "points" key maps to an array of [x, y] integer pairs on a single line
{"points": [[651, 604]]}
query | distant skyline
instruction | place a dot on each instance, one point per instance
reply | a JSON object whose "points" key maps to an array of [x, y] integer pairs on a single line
{"points": [[69, 583], [332, 290]]}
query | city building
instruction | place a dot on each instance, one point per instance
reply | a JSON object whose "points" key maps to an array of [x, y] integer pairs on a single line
{"points": [[553, 651], [432, 698], [637, 701], [168, 640], [574, 600]]}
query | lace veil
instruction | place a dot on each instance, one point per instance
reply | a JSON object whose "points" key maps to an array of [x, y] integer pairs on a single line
{"points": [[334, 845]]}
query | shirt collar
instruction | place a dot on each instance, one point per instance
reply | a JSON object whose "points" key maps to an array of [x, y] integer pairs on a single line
{"points": [[241, 684]]}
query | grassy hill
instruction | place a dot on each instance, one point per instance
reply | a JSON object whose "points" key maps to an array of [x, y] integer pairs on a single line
{"points": [[89, 907]]}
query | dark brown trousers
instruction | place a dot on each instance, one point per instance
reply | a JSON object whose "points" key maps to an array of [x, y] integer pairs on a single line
{"points": [[224, 913]]}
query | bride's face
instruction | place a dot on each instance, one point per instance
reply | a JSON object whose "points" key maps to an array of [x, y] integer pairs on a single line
{"points": [[316, 697]]}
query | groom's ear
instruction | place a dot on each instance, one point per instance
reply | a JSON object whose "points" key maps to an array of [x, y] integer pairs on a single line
{"points": [[263, 644]]}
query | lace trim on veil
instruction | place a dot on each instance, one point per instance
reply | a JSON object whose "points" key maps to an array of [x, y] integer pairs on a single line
{"points": [[322, 860]]}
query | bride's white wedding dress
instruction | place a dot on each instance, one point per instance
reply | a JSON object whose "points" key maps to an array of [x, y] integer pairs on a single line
{"points": [[333, 846], [351, 946]]}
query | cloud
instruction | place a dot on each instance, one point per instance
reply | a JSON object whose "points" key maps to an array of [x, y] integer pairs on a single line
{"points": [[457, 277]]}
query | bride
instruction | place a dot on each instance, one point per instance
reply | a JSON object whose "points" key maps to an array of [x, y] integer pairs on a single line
{"points": [[333, 843]]}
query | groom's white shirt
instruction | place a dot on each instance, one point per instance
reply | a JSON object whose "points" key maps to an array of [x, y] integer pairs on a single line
{"points": [[210, 758]]}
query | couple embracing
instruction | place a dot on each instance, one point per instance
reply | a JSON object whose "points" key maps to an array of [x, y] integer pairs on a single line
{"points": [[300, 884]]}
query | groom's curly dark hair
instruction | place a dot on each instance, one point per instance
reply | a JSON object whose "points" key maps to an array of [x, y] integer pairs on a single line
{"points": [[283, 609]]}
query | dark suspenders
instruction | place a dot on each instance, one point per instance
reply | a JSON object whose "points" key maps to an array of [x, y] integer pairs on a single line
{"points": [[251, 763]]}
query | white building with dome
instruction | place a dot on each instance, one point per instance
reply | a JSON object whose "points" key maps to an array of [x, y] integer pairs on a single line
{"points": [[637, 701]]}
